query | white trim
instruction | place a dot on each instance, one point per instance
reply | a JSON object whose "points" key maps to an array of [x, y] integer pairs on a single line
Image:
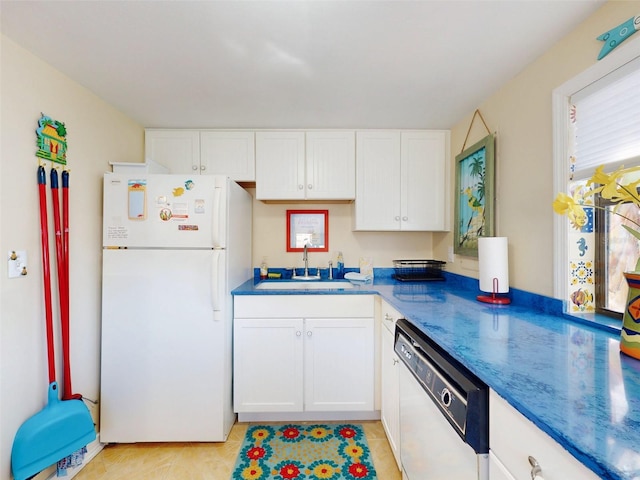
{"points": [[560, 106]]}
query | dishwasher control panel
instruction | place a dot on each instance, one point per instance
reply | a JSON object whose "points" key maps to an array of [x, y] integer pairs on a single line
{"points": [[461, 397]]}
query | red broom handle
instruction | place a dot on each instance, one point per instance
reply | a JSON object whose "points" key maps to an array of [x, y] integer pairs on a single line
{"points": [[65, 226], [66, 339], [63, 288], [44, 231]]}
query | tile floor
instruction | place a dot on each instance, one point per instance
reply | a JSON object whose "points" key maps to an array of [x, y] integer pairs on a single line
{"points": [[205, 461]]}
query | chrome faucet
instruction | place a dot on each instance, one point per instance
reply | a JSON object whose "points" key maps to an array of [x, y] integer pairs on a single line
{"points": [[305, 259], [305, 275]]}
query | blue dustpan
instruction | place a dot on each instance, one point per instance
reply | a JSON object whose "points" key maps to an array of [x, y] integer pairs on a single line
{"points": [[57, 431]]}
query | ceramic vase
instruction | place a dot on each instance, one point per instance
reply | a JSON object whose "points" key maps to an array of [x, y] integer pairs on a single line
{"points": [[630, 334]]}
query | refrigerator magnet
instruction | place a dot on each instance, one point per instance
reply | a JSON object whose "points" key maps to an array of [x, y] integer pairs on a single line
{"points": [[137, 192]]}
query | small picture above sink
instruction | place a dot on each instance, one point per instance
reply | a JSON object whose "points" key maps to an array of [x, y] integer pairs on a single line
{"points": [[308, 228]]}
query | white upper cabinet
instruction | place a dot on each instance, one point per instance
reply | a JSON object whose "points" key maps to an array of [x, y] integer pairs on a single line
{"points": [[377, 205], [294, 165], [331, 165], [206, 152], [230, 153], [423, 180], [178, 150], [280, 166], [402, 179]]}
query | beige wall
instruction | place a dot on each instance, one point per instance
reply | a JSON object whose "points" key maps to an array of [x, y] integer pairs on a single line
{"points": [[520, 113], [97, 135]]}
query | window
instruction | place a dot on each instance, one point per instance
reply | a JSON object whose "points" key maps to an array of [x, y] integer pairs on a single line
{"points": [[603, 128], [616, 253]]}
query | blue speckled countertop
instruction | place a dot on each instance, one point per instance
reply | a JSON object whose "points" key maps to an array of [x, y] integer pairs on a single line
{"points": [[564, 374]]}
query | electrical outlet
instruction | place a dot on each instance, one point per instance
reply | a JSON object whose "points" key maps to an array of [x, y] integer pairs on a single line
{"points": [[17, 263]]}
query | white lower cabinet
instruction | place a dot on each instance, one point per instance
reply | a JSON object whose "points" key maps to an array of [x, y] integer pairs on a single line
{"points": [[390, 381], [302, 353], [497, 471], [268, 365], [513, 439], [338, 364]]}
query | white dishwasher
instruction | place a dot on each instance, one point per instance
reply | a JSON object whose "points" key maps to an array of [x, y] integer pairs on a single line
{"points": [[444, 412]]}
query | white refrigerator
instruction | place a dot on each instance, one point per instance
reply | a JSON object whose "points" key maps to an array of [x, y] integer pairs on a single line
{"points": [[174, 246]]}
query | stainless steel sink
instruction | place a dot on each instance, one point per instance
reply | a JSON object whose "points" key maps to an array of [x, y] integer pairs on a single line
{"points": [[304, 285]]}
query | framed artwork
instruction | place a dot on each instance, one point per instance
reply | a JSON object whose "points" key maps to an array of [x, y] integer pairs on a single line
{"points": [[474, 198], [308, 227]]}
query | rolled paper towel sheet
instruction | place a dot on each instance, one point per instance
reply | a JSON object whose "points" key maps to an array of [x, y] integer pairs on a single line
{"points": [[493, 263]]}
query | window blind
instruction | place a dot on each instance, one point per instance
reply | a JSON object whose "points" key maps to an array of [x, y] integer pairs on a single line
{"points": [[607, 128]]}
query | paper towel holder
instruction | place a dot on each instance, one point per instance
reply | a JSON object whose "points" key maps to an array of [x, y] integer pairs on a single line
{"points": [[493, 270]]}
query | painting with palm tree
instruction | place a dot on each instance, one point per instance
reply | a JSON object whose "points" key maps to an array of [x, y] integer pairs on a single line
{"points": [[474, 196]]}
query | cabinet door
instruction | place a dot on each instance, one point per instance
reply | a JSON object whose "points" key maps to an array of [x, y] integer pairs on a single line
{"points": [[390, 386], [423, 180], [339, 364], [267, 365], [178, 150], [230, 153], [514, 438], [497, 471], [330, 165], [377, 205], [280, 166]]}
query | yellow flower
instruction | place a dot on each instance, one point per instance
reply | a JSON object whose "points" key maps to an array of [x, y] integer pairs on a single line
{"points": [[324, 470], [252, 472], [319, 433], [569, 206], [354, 451], [261, 434], [613, 187]]}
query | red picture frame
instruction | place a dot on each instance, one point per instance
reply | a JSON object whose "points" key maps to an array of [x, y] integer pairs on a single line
{"points": [[310, 227]]}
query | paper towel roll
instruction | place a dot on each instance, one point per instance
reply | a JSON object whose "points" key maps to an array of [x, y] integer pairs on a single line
{"points": [[493, 263]]}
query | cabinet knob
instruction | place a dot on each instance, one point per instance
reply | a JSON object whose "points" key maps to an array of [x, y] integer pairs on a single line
{"points": [[298, 333], [194, 167], [536, 469], [310, 187], [397, 218], [300, 187], [309, 333], [395, 361], [404, 219], [203, 168]]}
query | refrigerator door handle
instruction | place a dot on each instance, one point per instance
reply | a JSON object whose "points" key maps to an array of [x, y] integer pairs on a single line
{"points": [[217, 283], [217, 216]]}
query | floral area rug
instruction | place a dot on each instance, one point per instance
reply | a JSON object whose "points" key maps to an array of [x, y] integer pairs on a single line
{"points": [[304, 452]]}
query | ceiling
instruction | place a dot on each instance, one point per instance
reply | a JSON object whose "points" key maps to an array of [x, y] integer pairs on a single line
{"points": [[292, 64]]}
